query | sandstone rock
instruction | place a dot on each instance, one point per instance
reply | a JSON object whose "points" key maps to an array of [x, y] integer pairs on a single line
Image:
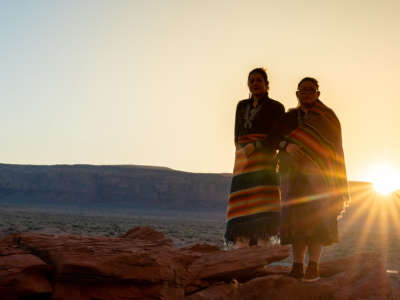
{"points": [[201, 248], [228, 265], [21, 273], [143, 264], [115, 291], [148, 234], [220, 291], [101, 258], [345, 279]]}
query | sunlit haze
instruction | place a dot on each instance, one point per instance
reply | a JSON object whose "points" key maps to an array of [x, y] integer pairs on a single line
{"points": [[157, 82], [385, 178]]}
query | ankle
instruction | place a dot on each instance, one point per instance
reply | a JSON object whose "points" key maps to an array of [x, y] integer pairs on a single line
{"points": [[297, 270], [312, 273], [313, 264], [297, 264]]}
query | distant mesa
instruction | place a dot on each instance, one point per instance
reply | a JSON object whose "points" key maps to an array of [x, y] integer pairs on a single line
{"points": [[115, 186], [112, 186]]}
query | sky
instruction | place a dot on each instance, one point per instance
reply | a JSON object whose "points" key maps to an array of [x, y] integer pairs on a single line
{"points": [[157, 82]]}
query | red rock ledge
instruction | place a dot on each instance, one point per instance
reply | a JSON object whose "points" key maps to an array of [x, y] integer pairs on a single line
{"points": [[144, 264]]}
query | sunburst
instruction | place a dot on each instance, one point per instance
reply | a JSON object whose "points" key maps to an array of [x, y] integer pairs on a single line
{"points": [[385, 178]]}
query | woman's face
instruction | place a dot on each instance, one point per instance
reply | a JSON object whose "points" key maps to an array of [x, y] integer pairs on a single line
{"points": [[257, 85], [307, 93]]}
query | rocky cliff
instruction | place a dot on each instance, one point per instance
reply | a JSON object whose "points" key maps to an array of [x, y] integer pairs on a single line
{"points": [[138, 187], [118, 186]]}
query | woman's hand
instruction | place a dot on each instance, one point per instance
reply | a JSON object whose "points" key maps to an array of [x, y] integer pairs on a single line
{"points": [[292, 149], [248, 149], [295, 152]]}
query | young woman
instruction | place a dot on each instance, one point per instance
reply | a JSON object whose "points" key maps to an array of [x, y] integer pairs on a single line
{"points": [[254, 201]]}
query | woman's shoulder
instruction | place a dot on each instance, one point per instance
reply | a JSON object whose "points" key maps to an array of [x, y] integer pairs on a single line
{"points": [[292, 111], [276, 105], [275, 102], [244, 101]]}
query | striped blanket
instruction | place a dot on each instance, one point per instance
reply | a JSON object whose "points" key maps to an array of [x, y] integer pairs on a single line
{"points": [[319, 135], [254, 193]]}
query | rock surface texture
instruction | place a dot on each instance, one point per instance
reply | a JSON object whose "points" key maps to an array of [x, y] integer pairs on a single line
{"points": [[144, 264]]}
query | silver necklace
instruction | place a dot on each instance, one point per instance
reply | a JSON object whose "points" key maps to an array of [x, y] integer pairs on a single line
{"points": [[250, 114]]}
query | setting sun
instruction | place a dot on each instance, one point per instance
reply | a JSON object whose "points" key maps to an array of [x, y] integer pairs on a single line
{"points": [[384, 178]]}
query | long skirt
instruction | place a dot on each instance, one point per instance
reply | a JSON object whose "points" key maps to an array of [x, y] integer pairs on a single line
{"points": [[307, 215], [254, 200]]}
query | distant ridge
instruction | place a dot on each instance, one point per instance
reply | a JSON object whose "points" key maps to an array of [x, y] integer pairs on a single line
{"points": [[86, 186], [112, 186], [87, 165]]}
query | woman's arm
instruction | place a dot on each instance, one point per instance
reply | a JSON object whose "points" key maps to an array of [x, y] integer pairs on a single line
{"points": [[283, 126], [277, 114], [236, 133]]}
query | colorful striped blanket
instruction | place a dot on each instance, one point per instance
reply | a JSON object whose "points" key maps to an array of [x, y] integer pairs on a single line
{"points": [[319, 135], [254, 187]]}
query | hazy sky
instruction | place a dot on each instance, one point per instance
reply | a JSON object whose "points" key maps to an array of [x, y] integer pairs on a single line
{"points": [[157, 82]]}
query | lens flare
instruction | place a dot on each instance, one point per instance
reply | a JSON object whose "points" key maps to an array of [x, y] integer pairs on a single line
{"points": [[385, 178]]}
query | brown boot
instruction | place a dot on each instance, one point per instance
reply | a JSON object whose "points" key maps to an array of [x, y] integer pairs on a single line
{"points": [[297, 270], [312, 273]]}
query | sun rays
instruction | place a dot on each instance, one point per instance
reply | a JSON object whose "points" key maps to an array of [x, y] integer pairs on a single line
{"points": [[370, 224], [385, 178], [373, 223]]}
